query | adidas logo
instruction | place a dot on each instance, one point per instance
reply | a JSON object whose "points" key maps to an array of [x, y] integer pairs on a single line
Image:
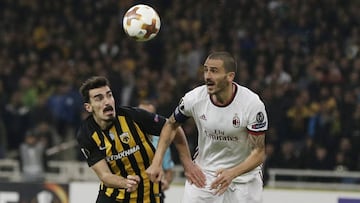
{"points": [[203, 117]]}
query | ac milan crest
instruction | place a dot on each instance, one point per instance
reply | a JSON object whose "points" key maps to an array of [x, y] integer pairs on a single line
{"points": [[236, 121]]}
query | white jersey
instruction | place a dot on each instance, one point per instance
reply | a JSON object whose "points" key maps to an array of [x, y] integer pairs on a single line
{"points": [[223, 130]]}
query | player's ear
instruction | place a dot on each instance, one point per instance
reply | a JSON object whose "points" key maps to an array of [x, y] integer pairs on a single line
{"points": [[88, 107], [231, 76]]}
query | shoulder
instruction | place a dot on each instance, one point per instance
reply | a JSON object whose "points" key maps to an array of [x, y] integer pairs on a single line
{"points": [[149, 122], [137, 114], [251, 97], [127, 111], [196, 94], [86, 129], [200, 90]]}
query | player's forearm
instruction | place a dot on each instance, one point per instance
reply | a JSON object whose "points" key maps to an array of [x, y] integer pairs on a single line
{"points": [[182, 147], [113, 181], [109, 179], [167, 135], [256, 158], [169, 175]]}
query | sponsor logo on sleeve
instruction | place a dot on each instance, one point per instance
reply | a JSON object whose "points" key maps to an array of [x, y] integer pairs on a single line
{"points": [[258, 125], [260, 118], [156, 118]]}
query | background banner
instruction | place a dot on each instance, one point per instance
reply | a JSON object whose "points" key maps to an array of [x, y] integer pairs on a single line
{"points": [[34, 193]]}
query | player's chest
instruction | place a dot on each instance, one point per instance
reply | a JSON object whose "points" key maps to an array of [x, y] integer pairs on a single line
{"points": [[230, 117], [120, 140]]}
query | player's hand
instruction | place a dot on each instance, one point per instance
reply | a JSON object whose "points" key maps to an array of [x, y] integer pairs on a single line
{"points": [[155, 173], [164, 184], [194, 174], [222, 181], [132, 183]]}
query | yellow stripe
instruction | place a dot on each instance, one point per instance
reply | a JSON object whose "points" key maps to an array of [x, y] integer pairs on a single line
{"points": [[119, 148], [125, 160], [113, 164], [125, 129], [150, 153], [115, 169], [96, 138]]}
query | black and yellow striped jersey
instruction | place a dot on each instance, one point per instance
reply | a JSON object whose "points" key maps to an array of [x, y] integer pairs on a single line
{"points": [[126, 148]]}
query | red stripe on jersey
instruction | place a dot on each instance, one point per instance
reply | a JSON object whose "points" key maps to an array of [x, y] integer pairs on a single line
{"points": [[256, 133]]}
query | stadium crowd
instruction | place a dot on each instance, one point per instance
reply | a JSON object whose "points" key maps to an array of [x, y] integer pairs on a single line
{"points": [[301, 56]]}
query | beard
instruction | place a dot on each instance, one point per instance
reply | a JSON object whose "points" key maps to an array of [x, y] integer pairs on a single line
{"points": [[110, 119], [218, 86]]}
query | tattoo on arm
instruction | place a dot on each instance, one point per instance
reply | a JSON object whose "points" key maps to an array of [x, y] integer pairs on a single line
{"points": [[257, 141]]}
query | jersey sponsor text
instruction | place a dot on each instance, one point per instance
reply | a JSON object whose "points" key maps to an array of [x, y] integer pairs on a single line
{"points": [[123, 154]]}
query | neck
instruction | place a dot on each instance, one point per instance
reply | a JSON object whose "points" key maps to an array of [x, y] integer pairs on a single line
{"points": [[224, 97], [102, 123]]}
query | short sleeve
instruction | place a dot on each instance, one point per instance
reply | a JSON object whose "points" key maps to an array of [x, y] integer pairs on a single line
{"points": [[258, 121], [88, 147], [182, 111]]}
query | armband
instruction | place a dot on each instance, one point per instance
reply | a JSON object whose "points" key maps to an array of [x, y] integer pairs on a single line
{"points": [[180, 117]]}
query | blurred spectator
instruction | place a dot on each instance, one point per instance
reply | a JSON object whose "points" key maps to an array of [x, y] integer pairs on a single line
{"points": [[307, 154], [345, 147], [286, 157], [32, 158], [65, 106], [16, 120], [278, 75], [323, 160], [298, 116], [47, 134], [270, 161]]}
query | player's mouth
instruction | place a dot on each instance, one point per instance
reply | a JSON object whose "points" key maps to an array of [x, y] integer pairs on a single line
{"points": [[108, 110], [210, 84]]}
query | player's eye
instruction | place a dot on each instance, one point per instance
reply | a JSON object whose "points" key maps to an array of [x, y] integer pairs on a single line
{"points": [[98, 97], [214, 70], [109, 94]]}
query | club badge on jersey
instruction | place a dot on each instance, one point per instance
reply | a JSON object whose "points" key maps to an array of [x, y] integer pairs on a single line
{"points": [[236, 121]]}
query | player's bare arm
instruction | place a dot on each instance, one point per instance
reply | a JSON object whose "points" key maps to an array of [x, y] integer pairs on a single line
{"points": [[257, 156], [192, 171], [111, 180], [172, 131], [167, 135], [257, 141]]}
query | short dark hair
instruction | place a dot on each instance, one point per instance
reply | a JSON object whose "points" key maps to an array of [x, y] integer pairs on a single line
{"points": [[227, 58], [92, 83]]}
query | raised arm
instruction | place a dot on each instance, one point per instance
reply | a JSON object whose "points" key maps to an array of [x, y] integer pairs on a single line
{"points": [[167, 135], [172, 131]]}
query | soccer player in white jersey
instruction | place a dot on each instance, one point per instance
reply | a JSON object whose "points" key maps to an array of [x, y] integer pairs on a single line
{"points": [[231, 122]]}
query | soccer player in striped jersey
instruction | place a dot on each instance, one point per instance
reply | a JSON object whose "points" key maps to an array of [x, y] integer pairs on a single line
{"points": [[115, 144], [231, 122]]}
